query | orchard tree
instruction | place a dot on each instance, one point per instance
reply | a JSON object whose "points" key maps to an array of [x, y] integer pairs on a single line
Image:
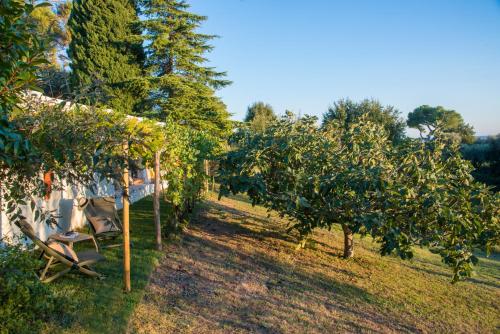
{"points": [[106, 51], [414, 193], [347, 112], [260, 115], [433, 201], [355, 176], [427, 120], [317, 177], [179, 84]]}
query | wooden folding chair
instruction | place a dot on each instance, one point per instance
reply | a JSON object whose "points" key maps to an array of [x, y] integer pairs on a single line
{"points": [[61, 256], [103, 219]]}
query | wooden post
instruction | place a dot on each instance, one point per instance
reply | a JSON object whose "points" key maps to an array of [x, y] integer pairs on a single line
{"points": [[126, 226], [205, 165], [156, 201]]}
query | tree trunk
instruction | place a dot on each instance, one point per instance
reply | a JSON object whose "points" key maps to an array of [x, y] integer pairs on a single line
{"points": [[174, 222], [156, 201], [173, 226], [190, 205], [207, 173], [348, 242]]}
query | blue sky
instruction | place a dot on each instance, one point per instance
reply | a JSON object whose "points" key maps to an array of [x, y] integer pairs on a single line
{"points": [[304, 55]]}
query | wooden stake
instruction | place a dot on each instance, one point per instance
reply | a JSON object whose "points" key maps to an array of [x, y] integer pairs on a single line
{"points": [[205, 165], [156, 201], [126, 225]]}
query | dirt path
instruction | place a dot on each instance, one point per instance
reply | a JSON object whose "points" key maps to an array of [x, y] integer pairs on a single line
{"points": [[236, 271]]}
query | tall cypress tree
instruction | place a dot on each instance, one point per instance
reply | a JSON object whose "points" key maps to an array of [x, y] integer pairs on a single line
{"points": [[106, 50], [181, 86]]}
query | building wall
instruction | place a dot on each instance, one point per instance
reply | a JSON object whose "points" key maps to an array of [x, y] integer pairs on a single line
{"points": [[63, 203]]}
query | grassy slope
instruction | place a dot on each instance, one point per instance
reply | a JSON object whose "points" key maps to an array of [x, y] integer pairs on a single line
{"points": [[100, 306], [236, 271]]}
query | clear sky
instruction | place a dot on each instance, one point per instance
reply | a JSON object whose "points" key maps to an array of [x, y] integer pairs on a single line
{"points": [[304, 55]]}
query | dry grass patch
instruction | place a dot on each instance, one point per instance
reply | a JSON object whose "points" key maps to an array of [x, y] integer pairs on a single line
{"points": [[237, 271]]}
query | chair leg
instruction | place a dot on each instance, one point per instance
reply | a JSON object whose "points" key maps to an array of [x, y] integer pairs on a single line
{"points": [[44, 272], [59, 274], [111, 246], [96, 246], [85, 269]]}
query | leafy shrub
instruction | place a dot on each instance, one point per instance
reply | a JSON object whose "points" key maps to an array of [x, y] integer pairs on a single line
{"points": [[25, 302]]}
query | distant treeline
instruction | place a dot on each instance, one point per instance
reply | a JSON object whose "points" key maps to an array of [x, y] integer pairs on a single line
{"points": [[484, 154]]}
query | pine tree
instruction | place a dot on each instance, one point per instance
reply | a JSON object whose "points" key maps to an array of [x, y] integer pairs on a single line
{"points": [[181, 87], [259, 116], [106, 50]]}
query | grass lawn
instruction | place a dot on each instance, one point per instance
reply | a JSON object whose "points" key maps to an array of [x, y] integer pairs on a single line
{"points": [[237, 271], [101, 306]]}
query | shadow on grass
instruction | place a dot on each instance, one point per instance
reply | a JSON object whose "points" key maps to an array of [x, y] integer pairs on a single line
{"points": [[493, 282], [272, 229], [245, 288]]}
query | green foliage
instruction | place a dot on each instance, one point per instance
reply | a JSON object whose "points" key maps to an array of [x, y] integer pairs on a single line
{"points": [[427, 119], [87, 148], [260, 116], [78, 143], [55, 82], [319, 177], [50, 24], [347, 112], [182, 162], [484, 154], [87, 142], [26, 303], [106, 51], [100, 306], [20, 52], [175, 46], [413, 193], [434, 202], [179, 86]]}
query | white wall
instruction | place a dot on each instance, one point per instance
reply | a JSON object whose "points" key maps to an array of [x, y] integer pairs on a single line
{"points": [[63, 203]]}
